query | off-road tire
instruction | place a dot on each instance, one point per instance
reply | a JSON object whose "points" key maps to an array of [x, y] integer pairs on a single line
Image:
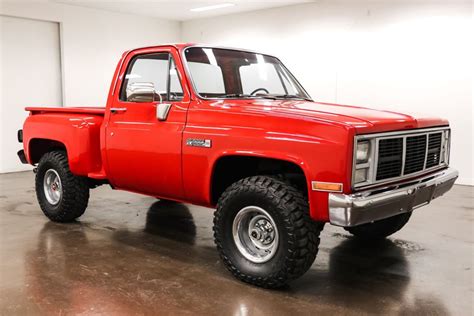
{"points": [[298, 234], [75, 190], [380, 229]]}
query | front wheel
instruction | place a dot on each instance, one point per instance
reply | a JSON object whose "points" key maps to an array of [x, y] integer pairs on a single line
{"points": [[263, 231], [62, 196], [380, 229]]}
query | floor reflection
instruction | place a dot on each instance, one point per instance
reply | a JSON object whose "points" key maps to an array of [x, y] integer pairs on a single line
{"points": [[354, 260], [359, 270], [367, 277], [61, 278], [171, 220], [78, 268]]}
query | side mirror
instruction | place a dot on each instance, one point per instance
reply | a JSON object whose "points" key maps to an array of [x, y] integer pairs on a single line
{"points": [[142, 92], [162, 111]]}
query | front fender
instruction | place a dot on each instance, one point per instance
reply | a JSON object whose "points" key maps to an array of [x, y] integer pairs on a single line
{"points": [[320, 152]]}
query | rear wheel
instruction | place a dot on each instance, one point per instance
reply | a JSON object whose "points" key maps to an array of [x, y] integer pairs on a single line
{"points": [[380, 229], [62, 196], [263, 231]]}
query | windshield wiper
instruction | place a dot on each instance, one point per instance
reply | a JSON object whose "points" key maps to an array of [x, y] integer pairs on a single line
{"points": [[236, 95], [291, 96], [242, 95], [265, 96]]}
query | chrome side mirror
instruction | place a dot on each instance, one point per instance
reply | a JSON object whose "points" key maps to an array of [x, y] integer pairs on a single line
{"points": [[143, 92], [162, 111]]}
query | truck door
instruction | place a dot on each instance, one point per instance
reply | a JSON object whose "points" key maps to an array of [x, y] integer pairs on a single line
{"points": [[143, 151]]}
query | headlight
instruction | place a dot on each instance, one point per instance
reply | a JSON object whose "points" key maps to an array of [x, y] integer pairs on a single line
{"points": [[362, 152], [360, 175], [362, 163], [446, 147]]}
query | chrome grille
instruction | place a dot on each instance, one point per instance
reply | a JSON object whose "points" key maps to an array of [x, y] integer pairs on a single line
{"points": [[398, 155], [389, 164], [434, 150], [415, 153]]}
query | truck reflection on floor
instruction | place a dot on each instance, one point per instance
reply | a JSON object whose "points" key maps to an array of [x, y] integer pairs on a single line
{"points": [[171, 220], [81, 268]]}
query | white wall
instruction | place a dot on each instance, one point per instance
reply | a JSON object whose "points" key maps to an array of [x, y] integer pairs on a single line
{"points": [[24, 80], [403, 56], [413, 57], [92, 42]]}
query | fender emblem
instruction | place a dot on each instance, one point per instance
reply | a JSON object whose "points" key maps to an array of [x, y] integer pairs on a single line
{"points": [[194, 142]]}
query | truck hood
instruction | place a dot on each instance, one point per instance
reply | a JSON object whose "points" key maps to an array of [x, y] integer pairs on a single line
{"points": [[364, 120]]}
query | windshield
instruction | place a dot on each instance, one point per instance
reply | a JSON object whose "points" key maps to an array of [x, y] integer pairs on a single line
{"points": [[225, 73]]}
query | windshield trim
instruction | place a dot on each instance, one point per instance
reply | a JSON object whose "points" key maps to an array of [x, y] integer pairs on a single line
{"points": [[193, 85]]}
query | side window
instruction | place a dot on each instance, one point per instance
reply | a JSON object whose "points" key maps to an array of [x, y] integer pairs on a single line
{"points": [[158, 69]]}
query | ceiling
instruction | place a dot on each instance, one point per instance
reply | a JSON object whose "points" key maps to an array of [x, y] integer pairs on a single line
{"points": [[178, 10]]}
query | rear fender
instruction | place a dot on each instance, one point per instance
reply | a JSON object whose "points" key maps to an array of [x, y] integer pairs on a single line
{"points": [[79, 134]]}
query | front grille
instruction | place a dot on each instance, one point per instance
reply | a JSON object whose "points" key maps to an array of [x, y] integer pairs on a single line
{"points": [[389, 164], [405, 155], [434, 150], [415, 153], [395, 156]]}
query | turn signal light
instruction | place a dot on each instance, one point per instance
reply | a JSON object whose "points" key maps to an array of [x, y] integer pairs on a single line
{"points": [[326, 186]]}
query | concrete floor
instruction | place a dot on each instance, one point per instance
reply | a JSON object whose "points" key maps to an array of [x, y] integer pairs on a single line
{"points": [[131, 254]]}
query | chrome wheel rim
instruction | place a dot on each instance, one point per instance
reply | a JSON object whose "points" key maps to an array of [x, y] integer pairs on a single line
{"points": [[255, 234], [53, 189]]}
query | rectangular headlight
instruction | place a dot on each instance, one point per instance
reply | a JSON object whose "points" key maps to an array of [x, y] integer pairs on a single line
{"points": [[446, 147], [362, 151], [363, 161], [360, 175]]}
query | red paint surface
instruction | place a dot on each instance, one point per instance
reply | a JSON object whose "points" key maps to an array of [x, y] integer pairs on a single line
{"points": [[136, 152]]}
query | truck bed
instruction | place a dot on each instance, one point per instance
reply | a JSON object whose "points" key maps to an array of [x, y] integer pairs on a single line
{"points": [[80, 110]]}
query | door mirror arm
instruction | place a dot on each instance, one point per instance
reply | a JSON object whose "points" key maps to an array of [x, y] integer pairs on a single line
{"points": [[162, 109]]}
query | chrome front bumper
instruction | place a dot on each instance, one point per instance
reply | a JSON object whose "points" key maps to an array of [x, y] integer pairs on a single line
{"points": [[375, 204]]}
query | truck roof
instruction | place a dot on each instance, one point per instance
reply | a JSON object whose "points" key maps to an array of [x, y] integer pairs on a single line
{"points": [[182, 46]]}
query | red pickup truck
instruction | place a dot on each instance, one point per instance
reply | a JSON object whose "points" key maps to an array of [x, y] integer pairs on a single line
{"points": [[234, 129]]}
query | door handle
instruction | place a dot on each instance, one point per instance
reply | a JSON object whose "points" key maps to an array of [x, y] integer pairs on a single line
{"points": [[118, 110]]}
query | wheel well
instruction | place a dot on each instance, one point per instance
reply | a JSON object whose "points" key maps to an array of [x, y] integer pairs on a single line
{"points": [[230, 169], [40, 146]]}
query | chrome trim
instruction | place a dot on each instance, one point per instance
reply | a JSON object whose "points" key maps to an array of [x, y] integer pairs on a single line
{"points": [[195, 142], [191, 79], [396, 133], [443, 140], [375, 138], [427, 137], [371, 205], [255, 234], [52, 187], [404, 155], [162, 111]]}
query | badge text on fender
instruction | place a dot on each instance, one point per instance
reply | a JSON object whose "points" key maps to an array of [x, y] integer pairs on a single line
{"points": [[198, 142]]}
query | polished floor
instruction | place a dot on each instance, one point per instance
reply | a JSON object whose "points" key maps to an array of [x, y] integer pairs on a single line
{"points": [[134, 255]]}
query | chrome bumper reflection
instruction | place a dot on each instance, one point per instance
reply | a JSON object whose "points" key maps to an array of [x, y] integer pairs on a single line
{"points": [[368, 206]]}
